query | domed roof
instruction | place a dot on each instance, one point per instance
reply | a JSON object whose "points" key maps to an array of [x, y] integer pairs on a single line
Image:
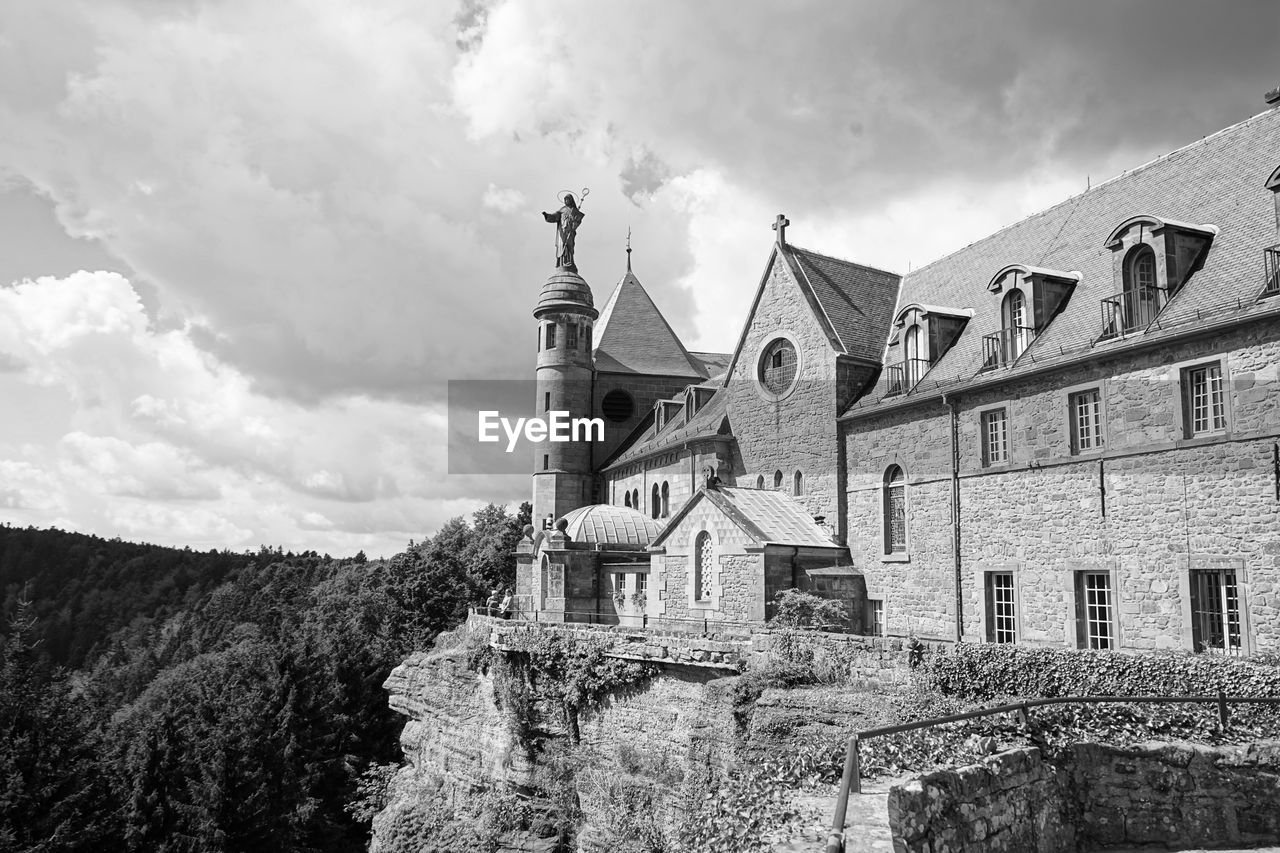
{"points": [[604, 524], [563, 291]]}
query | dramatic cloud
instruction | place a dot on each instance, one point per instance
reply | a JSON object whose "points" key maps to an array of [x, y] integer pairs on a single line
{"points": [[319, 211]]}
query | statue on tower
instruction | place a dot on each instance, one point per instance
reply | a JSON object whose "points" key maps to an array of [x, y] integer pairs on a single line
{"points": [[567, 220]]}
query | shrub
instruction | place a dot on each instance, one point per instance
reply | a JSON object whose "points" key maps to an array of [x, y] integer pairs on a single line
{"points": [[985, 671], [796, 609]]}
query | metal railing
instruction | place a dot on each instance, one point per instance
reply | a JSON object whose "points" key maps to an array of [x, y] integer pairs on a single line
{"points": [[903, 377], [1271, 258], [1003, 347], [641, 621], [851, 778], [1131, 310]]}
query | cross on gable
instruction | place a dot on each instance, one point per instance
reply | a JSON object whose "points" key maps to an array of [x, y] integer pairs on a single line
{"points": [[780, 225]]}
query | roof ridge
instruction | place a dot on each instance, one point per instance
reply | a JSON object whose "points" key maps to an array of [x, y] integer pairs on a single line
{"points": [[841, 260], [1094, 188]]}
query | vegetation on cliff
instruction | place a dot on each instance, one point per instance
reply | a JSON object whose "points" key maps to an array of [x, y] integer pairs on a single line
{"points": [[165, 700]]}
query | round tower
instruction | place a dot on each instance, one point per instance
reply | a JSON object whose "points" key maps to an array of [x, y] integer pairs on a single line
{"points": [[562, 475]]}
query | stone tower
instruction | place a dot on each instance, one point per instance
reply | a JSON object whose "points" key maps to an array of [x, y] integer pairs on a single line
{"points": [[562, 475]]}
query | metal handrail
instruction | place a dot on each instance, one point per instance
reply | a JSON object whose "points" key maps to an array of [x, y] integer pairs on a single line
{"points": [[851, 780], [1271, 260], [647, 622], [1003, 347], [1131, 309]]}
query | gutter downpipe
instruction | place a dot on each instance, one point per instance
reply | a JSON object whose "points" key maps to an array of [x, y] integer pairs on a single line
{"points": [[955, 511]]}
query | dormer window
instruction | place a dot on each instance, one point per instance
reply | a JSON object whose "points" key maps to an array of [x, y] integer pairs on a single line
{"points": [[1030, 298], [926, 333], [1271, 256], [1153, 259]]}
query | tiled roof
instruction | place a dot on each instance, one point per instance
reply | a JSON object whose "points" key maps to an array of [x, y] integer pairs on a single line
{"points": [[857, 300], [768, 517], [713, 363], [632, 336], [1217, 181], [778, 518], [706, 423], [604, 524]]}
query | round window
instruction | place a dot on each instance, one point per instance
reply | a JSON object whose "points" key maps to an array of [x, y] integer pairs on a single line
{"points": [[778, 366], [617, 405]]}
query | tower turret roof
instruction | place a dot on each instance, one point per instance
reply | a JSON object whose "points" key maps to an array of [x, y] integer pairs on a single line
{"points": [[565, 291]]}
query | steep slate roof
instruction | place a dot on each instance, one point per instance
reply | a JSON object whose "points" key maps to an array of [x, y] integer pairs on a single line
{"points": [[632, 336], [713, 363], [1218, 181], [857, 300], [853, 303], [769, 517], [707, 423]]}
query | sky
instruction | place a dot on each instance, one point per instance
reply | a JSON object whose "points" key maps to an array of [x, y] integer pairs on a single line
{"points": [[245, 245]]}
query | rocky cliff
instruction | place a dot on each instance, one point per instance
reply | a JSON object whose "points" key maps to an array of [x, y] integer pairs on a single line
{"points": [[484, 752]]}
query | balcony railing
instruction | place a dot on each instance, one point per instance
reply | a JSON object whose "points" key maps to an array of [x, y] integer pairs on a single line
{"points": [[1003, 347], [1272, 259], [1131, 310], [903, 377]]}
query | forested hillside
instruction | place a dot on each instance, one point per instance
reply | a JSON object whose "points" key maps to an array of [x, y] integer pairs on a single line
{"points": [[170, 700]]}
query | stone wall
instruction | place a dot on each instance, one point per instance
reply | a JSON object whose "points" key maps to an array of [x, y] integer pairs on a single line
{"points": [[1172, 504], [1010, 803], [796, 432], [1174, 796], [856, 660]]}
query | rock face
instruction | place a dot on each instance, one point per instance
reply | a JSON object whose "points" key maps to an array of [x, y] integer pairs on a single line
{"points": [[458, 743], [641, 759]]}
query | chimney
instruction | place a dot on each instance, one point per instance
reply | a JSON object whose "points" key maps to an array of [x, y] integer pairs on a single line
{"points": [[1273, 97]]}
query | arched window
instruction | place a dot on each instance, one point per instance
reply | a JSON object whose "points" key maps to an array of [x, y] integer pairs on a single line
{"points": [[777, 479], [635, 499], [626, 498], [797, 484], [666, 500], [704, 556], [655, 502], [760, 482], [895, 511], [1141, 296], [1016, 332], [913, 365]]}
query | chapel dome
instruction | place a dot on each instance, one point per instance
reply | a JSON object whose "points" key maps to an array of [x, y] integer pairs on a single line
{"points": [[605, 524], [565, 291]]}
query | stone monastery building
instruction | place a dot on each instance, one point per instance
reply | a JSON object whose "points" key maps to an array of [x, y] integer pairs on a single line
{"points": [[1066, 433]]}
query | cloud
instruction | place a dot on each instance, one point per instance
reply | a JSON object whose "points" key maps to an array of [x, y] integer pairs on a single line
{"points": [[161, 441], [503, 200], [318, 212]]}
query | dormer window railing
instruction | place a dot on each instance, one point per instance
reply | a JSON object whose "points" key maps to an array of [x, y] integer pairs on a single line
{"points": [[1131, 310], [1002, 348], [1272, 260], [903, 377]]}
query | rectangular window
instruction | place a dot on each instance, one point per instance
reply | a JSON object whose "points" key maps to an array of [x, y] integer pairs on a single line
{"points": [[1215, 611], [1002, 619], [546, 462], [551, 336], [546, 401], [995, 437], [875, 617], [642, 583], [1204, 405], [1086, 421], [619, 583], [1095, 609], [571, 336]]}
